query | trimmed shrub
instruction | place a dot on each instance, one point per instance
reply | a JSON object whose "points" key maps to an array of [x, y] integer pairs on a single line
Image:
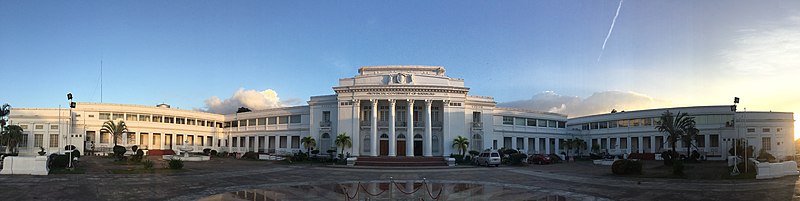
{"points": [[147, 164], [764, 156], [250, 155], [622, 167], [669, 157], [138, 156], [119, 152], [516, 158], [474, 152], [207, 151], [316, 151], [223, 154], [76, 153], [213, 153], [58, 161], [175, 164]]}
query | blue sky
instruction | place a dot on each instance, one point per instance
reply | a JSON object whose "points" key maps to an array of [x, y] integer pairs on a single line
{"points": [[184, 52]]}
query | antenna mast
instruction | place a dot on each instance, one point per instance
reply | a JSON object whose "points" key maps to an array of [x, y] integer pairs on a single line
{"points": [[101, 80]]}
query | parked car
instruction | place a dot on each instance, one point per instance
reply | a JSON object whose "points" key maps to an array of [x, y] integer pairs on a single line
{"points": [[487, 158], [540, 159]]}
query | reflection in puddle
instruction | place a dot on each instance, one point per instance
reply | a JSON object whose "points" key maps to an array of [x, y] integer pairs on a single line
{"points": [[390, 190]]}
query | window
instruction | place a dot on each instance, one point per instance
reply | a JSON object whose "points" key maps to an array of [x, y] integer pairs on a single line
{"points": [[283, 142], [612, 124], [24, 127], [105, 116], [778, 130], [39, 127], [636, 122], [201, 122], [156, 118], [622, 123], [531, 122], [119, 116], [283, 120], [508, 120], [53, 127], [144, 117], [714, 140], [143, 143], [603, 125], [38, 139], [476, 116], [551, 124], [235, 142], [169, 120], [235, 124], [648, 122], [541, 123], [766, 143], [765, 130], [295, 142], [131, 138], [584, 126], [751, 130], [262, 121], [24, 141], [180, 120], [326, 115], [519, 121], [104, 137], [131, 117], [295, 119], [701, 140], [594, 126], [272, 120], [251, 122], [191, 122], [53, 140], [179, 139]]}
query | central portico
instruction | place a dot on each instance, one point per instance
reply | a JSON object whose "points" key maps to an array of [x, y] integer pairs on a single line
{"points": [[400, 110]]}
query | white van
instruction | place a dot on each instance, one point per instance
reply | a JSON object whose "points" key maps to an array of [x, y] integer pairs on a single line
{"points": [[489, 157]]}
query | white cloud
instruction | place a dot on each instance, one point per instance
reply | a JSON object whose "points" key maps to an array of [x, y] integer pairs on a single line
{"points": [[769, 49], [251, 99], [599, 102]]}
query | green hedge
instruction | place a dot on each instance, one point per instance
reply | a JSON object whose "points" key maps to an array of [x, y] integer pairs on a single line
{"points": [[622, 167]]}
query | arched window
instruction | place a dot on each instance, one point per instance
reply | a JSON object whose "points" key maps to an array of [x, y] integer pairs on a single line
{"points": [[401, 136], [417, 136], [435, 144], [384, 136]]}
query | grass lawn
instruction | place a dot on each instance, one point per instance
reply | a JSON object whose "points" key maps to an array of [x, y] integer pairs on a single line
{"points": [[77, 170]]}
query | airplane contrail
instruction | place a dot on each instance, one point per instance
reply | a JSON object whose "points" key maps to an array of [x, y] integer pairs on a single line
{"points": [[610, 29]]}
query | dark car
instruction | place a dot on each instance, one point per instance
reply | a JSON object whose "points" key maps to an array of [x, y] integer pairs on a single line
{"points": [[540, 159]]}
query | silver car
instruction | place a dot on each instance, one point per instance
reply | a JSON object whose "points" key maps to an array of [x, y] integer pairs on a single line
{"points": [[488, 158]]}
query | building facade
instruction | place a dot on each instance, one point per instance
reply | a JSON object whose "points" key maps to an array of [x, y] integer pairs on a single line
{"points": [[393, 111]]}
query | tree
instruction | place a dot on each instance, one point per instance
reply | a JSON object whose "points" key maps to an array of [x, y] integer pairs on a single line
{"points": [[567, 144], [689, 133], [461, 144], [580, 144], [309, 142], [115, 129], [243, 109], [4, 111], [676, 127], [343, 141], [11, 137]]}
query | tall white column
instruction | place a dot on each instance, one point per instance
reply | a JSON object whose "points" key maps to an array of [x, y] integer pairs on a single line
{"points": [[355, 136], [557, 144], [426, 139], [246, 145], [641, 144], [536, 145], [707, 140], [162, 142], [392, 137], [373, 139], [547, 145], [255, 144], [652, 144], [628, 144], [410, 129], [514, 143]]}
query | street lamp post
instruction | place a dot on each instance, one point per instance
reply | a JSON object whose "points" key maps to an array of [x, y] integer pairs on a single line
{"points": [[69, 129], [735, 141]]}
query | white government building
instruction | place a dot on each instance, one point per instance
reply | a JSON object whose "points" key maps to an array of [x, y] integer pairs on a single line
{"points": [[394, 111]]}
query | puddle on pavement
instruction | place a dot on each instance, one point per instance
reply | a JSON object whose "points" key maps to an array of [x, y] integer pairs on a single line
{"points": [[398, 190]]}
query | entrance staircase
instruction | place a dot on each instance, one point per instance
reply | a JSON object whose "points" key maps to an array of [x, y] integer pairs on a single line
{"points": [[400, 161]]}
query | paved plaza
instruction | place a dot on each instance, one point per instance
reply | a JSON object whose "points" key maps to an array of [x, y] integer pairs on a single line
{"points": [[203, 179]]}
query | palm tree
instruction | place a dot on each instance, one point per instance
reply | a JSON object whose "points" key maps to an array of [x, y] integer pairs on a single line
{"points": [[579, 144], [10, 137], [4, 111], [675, 126], [309, 142], [690, 132], [567, 144], [461, 144], [116, 129], [343, 141]]}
